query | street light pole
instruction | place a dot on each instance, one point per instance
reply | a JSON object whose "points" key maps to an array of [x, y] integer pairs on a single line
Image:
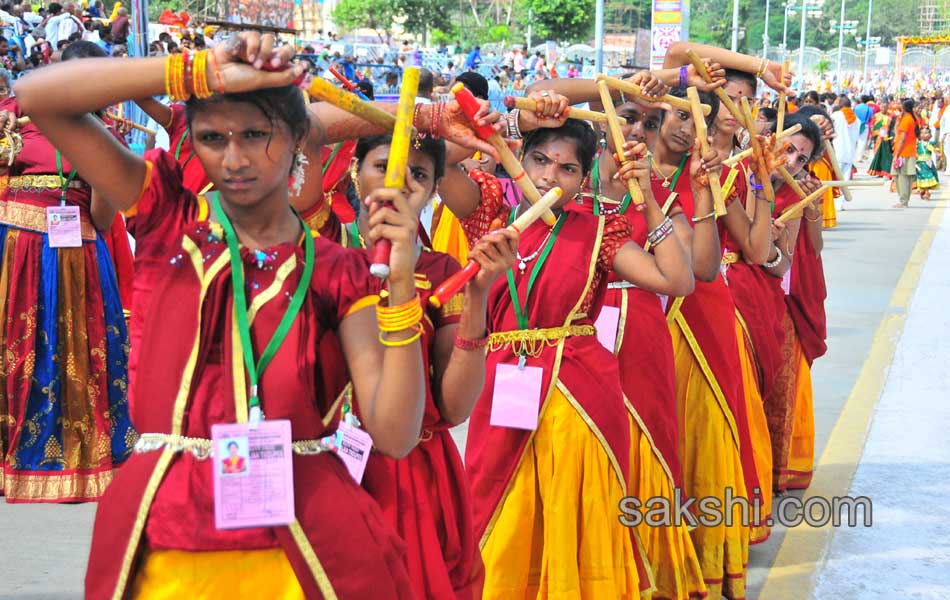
{"points": [[840, 45], [785, 31], [801, 42], [765, 34], [735, 25], [599, 37], [867, 45]]}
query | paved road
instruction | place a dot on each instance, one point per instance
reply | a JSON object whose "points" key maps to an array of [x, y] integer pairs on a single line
{"points": [[44, 548]]}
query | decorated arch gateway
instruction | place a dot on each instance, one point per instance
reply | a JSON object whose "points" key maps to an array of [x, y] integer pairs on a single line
{"points": [[906, 40]]}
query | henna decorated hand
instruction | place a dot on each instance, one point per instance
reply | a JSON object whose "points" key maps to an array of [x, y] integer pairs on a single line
{"points": [[636, 166], [718, 74]]}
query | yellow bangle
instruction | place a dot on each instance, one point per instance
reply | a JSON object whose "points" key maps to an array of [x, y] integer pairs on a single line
{"points": [[405, 342], [176, 68], [200, 75], [397, 318], [180, 79], [169, 91]]}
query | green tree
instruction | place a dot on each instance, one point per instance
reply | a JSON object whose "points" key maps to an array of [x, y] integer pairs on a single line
{"points": [[711, 23], [377, 15], [560, 20], [423, 15]]}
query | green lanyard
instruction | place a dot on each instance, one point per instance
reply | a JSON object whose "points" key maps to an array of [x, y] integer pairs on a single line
{"points": [[678, 172], [181, 142], [521, 311], [624, 204], [336, 150], [353, 233], [64, 181], [255, 371]]}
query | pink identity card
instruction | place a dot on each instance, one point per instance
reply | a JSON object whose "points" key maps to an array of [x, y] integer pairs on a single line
{"points": [[517, 397], [63, 226], [606, 325], [253, 474]]}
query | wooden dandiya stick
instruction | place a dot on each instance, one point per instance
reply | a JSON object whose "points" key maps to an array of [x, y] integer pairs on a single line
{"points": [[782, 100], [700, 123], [470, 107], [836, 167], [724, 98], [853, 183], [748, 151], [634, 90], [633, 188], [794, 211], [762, 172], [398, 157], [322, 89], [453, 284], [791, 181], [349, 85], [133, 124], [573, 113]]}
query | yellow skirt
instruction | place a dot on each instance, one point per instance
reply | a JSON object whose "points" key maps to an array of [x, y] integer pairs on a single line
{"points": [[800, 463], [759, 432], [710, 457], [558, 533], [828, 210], [229, 574], [822, 170], [669, 548]]}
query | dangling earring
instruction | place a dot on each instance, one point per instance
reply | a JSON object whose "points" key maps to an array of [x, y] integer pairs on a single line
{"points": [[354, 170], [298, 172], [579, 197]]}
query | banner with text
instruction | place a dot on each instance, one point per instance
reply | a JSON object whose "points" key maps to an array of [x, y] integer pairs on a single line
{"points": [[670, 23]]}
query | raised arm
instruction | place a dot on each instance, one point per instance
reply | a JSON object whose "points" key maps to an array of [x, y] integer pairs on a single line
{"points": [[460, 366], [61, 98], [158, 112], [388, 380], [753, 235], [770, 72], [667, 269]]}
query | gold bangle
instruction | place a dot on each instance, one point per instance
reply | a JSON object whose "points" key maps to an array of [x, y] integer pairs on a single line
{"points": [[169, 86], [200, 75], [763, 66], [397, 318], [805, 214], [177, 68], [405, 342]]}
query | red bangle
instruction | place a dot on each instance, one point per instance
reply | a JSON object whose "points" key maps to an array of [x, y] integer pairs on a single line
{"points": [[189, 75], [467, 344]]}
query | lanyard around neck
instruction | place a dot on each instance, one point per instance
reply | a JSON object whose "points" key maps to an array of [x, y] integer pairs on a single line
{"points": [[256, 370], [624, 204], [181, 142], [521, 311], [64, 181]]}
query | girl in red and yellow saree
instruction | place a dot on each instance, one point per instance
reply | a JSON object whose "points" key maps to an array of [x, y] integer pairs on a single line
{"points": [[64, 415], [648, 378], [548, 473], [425, 496], [711, 404], [155, 533], [789, 405]]}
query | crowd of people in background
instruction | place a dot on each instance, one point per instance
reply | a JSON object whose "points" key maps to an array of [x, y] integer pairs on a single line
{"points": [[256, 223]]}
